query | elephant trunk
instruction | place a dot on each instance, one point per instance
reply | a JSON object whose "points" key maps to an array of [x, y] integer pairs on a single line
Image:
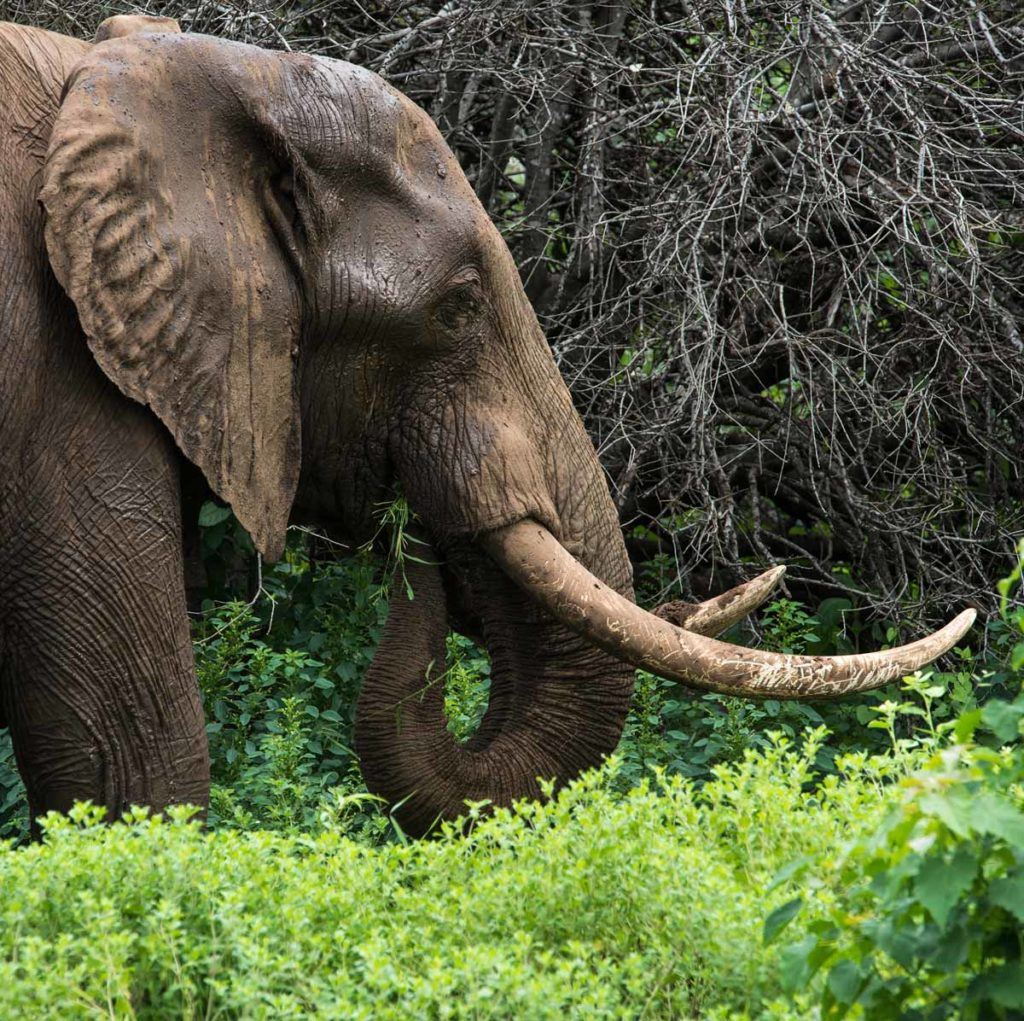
{"points": [[557, 703]]}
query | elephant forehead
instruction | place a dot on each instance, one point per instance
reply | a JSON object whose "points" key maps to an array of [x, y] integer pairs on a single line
{"points": [[354, 129], [341, 116]]}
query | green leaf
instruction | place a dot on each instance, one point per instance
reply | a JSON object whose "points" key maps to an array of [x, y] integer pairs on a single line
{"points": [[795, 969], [966, 725], [1008, 893], [953, 947], [1000, 817], [954, 808], [780, 918], [831, 611], [799, 962], [1003, 719], [903, 944], [845, 981], [940, 884], [1003, 985], [213, 514]]}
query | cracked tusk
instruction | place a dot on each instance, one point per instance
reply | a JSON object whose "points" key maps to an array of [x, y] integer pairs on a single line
{"points": [[714, 616]]}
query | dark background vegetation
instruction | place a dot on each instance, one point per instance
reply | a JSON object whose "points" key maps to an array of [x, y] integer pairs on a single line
{"points": [[777, 248]]}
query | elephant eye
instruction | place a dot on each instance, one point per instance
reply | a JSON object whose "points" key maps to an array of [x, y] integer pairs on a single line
{"points": [[459, 308], [281, 208], [284, 192]]}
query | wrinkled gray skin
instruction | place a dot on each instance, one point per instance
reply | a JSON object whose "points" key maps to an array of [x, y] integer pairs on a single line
{"points": [[269, 267]]}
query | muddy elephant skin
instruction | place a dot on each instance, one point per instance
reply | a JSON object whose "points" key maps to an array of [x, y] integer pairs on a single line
{"points": [[266, 271]]}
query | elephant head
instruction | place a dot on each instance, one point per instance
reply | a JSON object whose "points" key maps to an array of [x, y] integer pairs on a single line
{"points": [[279, 255]]}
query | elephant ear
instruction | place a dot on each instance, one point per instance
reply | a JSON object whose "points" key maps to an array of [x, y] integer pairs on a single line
{"points": [[166, 228]]}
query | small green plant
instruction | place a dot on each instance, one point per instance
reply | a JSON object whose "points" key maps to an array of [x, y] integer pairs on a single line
{"points": [[788, 627], [1011, 611], [467, 685], [394, 535], [13, 813]]}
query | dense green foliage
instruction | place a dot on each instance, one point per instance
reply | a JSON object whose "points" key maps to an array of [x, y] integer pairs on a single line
{"points": [[589, 907], [895, 883], [928, 915], [280, 675]]}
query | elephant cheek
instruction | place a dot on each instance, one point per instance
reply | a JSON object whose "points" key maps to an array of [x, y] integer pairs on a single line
{"points": [[467, 474]]}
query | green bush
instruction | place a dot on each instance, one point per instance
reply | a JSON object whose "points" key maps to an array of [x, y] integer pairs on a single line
{"points": [[930, 912], [736, 860], [592, 905], [688, 732], [891, 888], [280, 677], [928, 919], [280, 656]]}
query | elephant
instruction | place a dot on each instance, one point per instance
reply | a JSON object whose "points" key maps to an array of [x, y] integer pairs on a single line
{"points": [[263, 276]]}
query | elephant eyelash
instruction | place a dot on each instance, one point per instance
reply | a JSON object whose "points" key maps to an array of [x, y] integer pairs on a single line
{"points": [[285, 191]]}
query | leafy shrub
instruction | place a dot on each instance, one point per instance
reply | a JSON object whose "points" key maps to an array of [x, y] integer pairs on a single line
{"points": [[279, 679], [280, 675], [467, 685], [592, 905], [930, 910], [13, 817], [931, 903]]}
